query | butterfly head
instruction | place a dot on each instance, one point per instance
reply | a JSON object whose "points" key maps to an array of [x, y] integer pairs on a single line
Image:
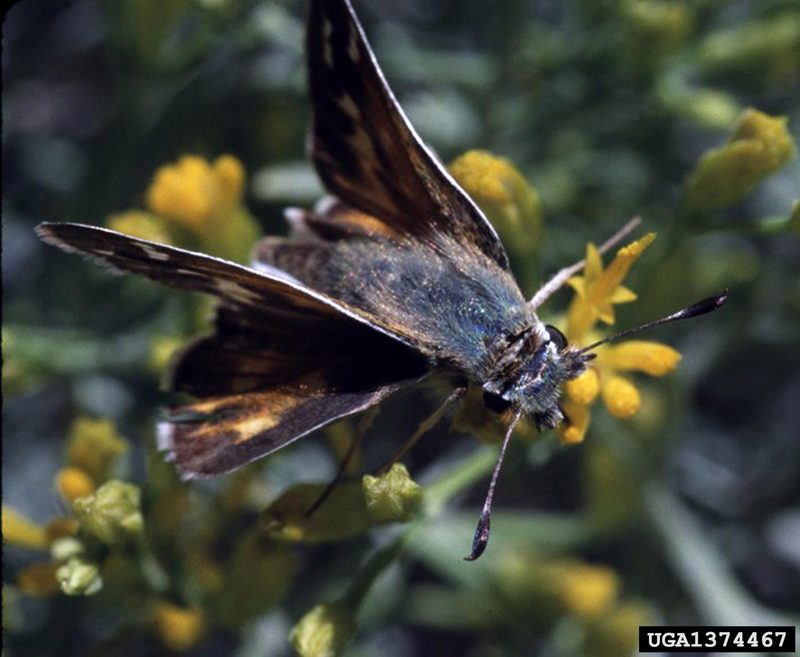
{"points": [[542, 362], [537, 389]]}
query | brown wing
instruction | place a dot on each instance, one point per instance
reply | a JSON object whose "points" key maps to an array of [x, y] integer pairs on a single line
{"points": [[366, 151], [219, 434], [283, 360], [267, 291]]}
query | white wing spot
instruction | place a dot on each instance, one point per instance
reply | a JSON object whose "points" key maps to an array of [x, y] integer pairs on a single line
{"points": [[154, 254], [266, 268], [164, 438], [232, 290], [352, 47]]}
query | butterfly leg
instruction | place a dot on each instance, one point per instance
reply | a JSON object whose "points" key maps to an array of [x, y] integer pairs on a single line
{"points": [[563, 275], [426, 425], [363, 426]]}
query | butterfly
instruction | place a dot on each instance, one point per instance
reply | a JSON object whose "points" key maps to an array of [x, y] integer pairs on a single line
{"points": [[394, 278]]}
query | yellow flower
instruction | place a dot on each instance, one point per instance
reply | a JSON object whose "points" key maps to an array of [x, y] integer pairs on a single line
{"points": [[607, 376], [94, 446], [79, 577], [598, 290], [587, 591], [759, 145], [323, 631], [73, 483], [509, 201], [584, 389], [112, 513], [642, 356], [205, 200], [596, 293], [551, 586], [19, 530], [578, 417], [179, 628], [187, 192]]}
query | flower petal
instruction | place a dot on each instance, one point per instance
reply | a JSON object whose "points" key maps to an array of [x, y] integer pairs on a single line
{"points": [[621, 397], [622, 294], [585, 388], [21, 531], [651, 358], [622, 262], [594, 264], [577, 419]]}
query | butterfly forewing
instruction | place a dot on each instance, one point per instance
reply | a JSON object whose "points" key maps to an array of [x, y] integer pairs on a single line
{"points": [[283, 360], [366, 151]]}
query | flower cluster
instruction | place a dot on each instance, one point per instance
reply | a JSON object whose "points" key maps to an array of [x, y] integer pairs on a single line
{"points": [[597, 291], [197, 204], [103, 511], [100, 546]]}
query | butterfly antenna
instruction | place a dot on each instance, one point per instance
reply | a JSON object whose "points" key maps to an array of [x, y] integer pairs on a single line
{"points": [[481, 538], [696, 309]]}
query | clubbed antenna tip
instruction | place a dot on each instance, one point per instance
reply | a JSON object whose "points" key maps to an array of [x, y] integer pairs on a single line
{"points": [[481, 538]]}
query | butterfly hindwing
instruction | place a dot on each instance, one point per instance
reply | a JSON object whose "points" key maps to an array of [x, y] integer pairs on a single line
{"points": [[366, 151], [216, 435]]}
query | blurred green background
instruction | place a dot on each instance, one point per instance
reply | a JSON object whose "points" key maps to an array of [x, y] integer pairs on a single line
{"points": [[687, 514]]}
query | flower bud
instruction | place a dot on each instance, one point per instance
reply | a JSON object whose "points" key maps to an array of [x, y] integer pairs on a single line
{"points": [[94, 446], [72, 483], [65, 548], [112, 513], [324, 631], [507, 199], [760, 145], [79, 577], [621, 397], [180, 629], [392, 497], [203, 200], [643, 356]]}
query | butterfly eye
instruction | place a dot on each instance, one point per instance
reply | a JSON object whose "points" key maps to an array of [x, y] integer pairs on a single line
{"points": [[557, 337]]}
